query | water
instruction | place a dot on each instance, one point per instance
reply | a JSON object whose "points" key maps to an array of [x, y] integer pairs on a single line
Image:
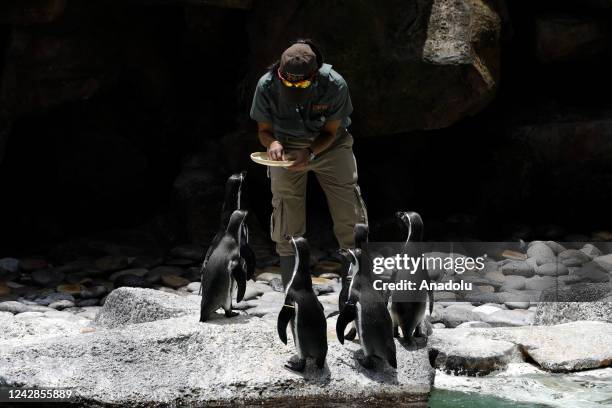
{"points": [[523, 385], [457, 399]]}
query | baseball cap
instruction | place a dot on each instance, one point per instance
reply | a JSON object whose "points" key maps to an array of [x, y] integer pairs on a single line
{"points": [[297, 63]]}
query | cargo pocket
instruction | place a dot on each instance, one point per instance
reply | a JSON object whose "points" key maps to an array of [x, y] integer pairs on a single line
{"points": [[276, 220], [361, 207]]}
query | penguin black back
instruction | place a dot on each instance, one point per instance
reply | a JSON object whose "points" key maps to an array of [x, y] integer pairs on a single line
{"points": [[304, 312], [235, 222], [413, 221], [224, 270], [361, 232], [231, 202], [409, 313], [368, 308], [232, 198], [301, 278]]}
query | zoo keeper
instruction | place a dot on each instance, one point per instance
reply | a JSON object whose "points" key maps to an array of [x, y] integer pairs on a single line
{"points": [[302, 109]]}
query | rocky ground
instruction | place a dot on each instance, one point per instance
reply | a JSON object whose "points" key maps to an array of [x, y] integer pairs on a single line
{"points": [[145, 346], [78, 324]]}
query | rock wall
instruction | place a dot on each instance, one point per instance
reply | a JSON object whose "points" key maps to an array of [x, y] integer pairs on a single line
{"points": [[421, 65], [116, 114]]}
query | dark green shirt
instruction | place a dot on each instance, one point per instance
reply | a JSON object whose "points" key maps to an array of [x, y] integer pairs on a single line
{"points": [[330, 100]]}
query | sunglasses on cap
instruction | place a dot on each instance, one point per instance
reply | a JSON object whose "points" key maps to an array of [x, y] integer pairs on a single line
{"points": [[305, 83]]}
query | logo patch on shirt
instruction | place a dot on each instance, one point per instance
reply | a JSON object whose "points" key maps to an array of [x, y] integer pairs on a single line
{"points": [[319, 108]]}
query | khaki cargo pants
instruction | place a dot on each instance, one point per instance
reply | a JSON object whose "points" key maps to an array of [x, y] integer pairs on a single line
{"points": [[336, 171]]}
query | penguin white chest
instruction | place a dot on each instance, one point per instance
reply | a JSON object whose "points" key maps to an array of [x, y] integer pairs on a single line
{"points": [[363, 336], [294, 327], [229, 289]]}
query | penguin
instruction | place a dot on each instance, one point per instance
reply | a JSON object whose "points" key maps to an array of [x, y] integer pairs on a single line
{"points": [[232, 202], [349, 265], [368, 308], [409, 314], [304, 312], [347, 272], [224, 271]]}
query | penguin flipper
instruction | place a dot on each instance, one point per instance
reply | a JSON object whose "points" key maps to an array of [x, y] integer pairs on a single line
{"points": [[347, 315], [332, 314], [352, 333], [285, 315], [249, 258], [237, 270]]}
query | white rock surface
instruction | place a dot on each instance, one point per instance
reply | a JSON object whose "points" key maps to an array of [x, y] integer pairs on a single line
{"points": [[565, 347], [179, 361], [134, 305]]}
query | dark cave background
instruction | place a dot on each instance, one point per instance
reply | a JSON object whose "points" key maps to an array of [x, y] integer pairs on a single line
{"points": [[128, 116]]}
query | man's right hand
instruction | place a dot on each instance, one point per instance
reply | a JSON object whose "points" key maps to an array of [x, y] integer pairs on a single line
{"points": [[275, 151]]}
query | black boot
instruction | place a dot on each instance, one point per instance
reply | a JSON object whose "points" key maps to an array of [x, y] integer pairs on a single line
{"points": [[286, 266]]}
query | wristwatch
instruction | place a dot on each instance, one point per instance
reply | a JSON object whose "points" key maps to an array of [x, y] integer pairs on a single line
{"points": [[312, 154]]}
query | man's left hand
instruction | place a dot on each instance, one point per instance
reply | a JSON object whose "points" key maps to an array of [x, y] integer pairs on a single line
{"points": [[301, 158]]}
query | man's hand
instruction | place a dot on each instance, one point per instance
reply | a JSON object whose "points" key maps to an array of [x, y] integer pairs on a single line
{"points": [[301, 158], [275, 151]]}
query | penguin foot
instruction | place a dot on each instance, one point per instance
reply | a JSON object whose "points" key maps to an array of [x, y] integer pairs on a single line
{"points": [[423, 330], [320, 362], [231, 313], [410, 341], [366, 362], [296, 365]]}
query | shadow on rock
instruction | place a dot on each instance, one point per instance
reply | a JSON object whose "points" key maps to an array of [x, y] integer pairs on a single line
{"points": [[416, 343], [220, 319], [381, 373], [312, 373]]}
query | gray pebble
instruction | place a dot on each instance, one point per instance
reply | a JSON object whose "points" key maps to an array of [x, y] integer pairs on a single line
{"points": [[87, 302], [54, 297], [61, 304], [541, 252], [520, 268], [93, 292], [552, 269], [555, 246], [14, 307], [591, 251]]}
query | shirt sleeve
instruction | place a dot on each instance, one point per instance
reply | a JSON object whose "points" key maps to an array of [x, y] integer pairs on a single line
{"points": [[260, 108], [341, 107]]}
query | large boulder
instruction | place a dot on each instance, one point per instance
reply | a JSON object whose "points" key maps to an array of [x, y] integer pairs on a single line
{"points": [[587, 301], [417, 65], [31, 11], [475, 356], [125, 306], [223, 362], [562, 38]]}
